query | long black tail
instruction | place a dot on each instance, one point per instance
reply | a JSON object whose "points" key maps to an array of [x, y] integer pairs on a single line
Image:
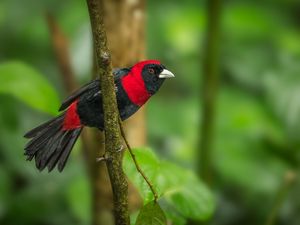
{"points": [[50, 145]]}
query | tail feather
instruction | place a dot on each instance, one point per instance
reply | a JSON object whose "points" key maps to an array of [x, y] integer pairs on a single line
{"points": [[55, 157], [67, 150], [42, 127], [50, 145], [43, 154], [42, 138]]}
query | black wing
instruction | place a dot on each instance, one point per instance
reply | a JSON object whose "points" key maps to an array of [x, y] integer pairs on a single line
{"points": [[89, 86], [94, 84], [118, 73]]}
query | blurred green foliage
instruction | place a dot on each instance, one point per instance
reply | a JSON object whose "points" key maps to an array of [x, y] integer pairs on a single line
{"points": [[22, 82], [256, 139], [182, 194]]}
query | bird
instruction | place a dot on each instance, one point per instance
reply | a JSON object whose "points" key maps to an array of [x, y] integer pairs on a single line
{"points": [[51, 143]]}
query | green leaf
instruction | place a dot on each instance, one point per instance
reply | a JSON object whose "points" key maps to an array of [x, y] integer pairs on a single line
{"points": [[186, 193], [189, 196], [29, 86], [182, 191], [151, 214]]}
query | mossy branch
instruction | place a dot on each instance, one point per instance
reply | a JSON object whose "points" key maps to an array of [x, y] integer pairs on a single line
{"points": [[111, 115]]}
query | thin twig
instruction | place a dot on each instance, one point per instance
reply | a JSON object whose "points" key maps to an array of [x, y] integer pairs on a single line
{"points": [[155, 195]]}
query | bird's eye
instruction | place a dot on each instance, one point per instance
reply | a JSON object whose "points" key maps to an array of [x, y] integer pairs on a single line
{"points": [[151, 70]]}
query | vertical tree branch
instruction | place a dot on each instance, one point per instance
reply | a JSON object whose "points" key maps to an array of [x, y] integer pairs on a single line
{"points": [[210, 88], [124, 22], [125, 29], [111, 115]]}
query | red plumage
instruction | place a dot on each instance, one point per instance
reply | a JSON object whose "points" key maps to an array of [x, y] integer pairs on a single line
{"points": [[135, 89], [134, 84], [72, 120]]}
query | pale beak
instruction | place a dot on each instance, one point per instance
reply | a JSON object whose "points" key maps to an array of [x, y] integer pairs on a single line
{"points": [[166, 74]]}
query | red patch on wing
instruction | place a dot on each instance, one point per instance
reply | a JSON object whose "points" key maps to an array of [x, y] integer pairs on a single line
{"points": [[72, 120], [134, 85]]}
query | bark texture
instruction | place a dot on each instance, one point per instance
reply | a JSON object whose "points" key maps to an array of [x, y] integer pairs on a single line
{"points": [[112, 130], [124, 22]]}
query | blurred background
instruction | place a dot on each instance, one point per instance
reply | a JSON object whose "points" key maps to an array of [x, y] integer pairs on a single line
{"points": [[252, 121]]}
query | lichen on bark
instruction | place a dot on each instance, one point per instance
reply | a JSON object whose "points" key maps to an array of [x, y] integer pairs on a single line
{"points": [[111, 115]]}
